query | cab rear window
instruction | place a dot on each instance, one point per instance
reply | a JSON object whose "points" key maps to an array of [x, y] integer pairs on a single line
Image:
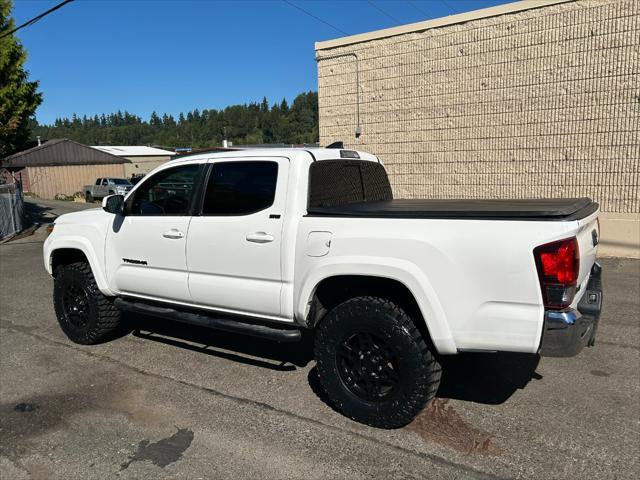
{"points": [[340, 182]]}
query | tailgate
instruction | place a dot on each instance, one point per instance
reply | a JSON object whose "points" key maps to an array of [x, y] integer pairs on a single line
{"points": [[588, 237]]}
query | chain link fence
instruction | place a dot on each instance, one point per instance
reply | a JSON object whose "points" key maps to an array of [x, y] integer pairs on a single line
{"points": [[12, 214]]}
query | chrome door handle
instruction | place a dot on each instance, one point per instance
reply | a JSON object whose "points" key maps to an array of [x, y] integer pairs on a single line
{"points": [[260, 237], [173, 233]]}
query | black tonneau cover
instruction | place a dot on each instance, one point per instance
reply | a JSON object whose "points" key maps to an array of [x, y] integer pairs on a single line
{"points": [[558, 209]]}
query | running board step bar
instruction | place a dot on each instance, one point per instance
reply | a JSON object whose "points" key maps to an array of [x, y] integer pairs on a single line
{"points": [[215, 322]]}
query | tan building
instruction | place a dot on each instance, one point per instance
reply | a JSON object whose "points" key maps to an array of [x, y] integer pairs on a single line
{"points": [[538, 98], [143, 159], [61, 167]]}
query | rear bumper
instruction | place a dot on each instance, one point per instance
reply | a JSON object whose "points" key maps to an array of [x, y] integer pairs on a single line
{"points": [[567, 332]]}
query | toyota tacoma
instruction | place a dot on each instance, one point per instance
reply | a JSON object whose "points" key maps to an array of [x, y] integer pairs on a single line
{"points": [[278, 242]]}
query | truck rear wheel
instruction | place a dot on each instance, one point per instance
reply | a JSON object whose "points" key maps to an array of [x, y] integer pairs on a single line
{"points": [[374, 364], [88, 197], [85, 315]]}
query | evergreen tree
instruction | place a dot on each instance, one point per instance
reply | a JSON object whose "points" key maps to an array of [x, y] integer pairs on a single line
{"points": [[243, 124], [155, 119], [264, 106], [19, 98]]}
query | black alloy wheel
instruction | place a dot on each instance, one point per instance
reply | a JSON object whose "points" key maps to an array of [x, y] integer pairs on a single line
{"points": [[368, 366], [75, 305]]}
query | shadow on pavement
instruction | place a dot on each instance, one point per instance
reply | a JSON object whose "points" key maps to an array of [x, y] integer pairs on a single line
{"points": [[238, 348], [39, 213], [487, 378]]}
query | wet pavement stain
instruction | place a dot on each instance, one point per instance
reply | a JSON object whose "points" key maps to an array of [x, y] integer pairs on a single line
{"points": [[440, 423], [24, 407], [163, 452]]}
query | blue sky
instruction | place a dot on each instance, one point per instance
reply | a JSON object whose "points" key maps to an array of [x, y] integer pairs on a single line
{"points": [[100, 56]]}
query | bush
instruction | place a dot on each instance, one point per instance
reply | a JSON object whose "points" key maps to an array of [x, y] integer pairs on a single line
{"points": [[68, 198], [63, 197]]}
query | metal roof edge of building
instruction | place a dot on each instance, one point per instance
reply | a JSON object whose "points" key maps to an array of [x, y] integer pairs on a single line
{"points": [[13, 161], [437, 22], [125, 150], [49, 143], [88, 146], [152, 155]]}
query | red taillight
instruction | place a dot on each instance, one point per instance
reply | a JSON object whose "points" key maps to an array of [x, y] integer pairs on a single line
{"points": [[558, 265]]}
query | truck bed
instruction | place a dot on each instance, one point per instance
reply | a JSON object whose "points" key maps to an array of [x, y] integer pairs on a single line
{"points": [[550, 209]]}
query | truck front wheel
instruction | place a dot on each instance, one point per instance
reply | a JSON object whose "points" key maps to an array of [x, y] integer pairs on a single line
{"points": [[374, 364], [85, 315]]}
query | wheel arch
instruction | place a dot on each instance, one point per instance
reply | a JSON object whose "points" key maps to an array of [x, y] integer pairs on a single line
{"points": [[73, 250], [66, 256], [331, 286]]}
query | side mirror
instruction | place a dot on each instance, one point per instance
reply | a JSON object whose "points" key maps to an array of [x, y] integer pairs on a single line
{"points": [[113, 204]]}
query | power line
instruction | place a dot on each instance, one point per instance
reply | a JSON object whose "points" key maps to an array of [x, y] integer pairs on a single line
{"points": [[418, 8], [313, 16], [386, 14], [36, 19], [446, 4], [443, 2]]}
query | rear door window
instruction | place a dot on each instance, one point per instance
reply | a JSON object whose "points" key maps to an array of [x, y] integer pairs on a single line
{"points": [[240, 188]]}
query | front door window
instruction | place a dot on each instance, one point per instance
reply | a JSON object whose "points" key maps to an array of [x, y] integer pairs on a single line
{"points": [[167, 193]]}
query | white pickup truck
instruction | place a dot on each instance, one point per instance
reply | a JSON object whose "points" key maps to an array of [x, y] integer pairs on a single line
{"points": [[106, 186], [272, 243]]}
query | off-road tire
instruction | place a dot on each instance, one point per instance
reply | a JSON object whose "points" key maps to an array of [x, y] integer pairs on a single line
{"points": [[88, 198], [418, 373], [102, 318]]}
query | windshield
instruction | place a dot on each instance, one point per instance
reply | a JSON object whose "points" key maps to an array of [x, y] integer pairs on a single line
{"points": [[120, 181]]}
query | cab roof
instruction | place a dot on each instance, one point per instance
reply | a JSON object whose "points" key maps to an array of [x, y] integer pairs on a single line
{"points": [[317, 154]]}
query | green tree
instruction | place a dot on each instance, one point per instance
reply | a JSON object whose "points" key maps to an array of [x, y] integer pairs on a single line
{"points": [[19, 98], [264, 105], [256, 122], [155, 119]]}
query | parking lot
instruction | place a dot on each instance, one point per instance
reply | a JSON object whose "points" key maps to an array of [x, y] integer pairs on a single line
{"points": [[173, 401]]}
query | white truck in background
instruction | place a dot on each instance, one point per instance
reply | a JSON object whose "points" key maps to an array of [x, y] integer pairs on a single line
{"points": [[104, 187], [272, 243]]}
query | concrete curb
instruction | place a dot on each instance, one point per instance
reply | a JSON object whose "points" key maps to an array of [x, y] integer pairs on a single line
{"points": [[619, 235]]}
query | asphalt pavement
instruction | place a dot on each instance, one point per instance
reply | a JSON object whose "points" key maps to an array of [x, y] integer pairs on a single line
{"points": [[172, 401]]}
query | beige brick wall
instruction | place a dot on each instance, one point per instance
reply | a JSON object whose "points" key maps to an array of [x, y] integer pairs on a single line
{"points": [[539, 103]]}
